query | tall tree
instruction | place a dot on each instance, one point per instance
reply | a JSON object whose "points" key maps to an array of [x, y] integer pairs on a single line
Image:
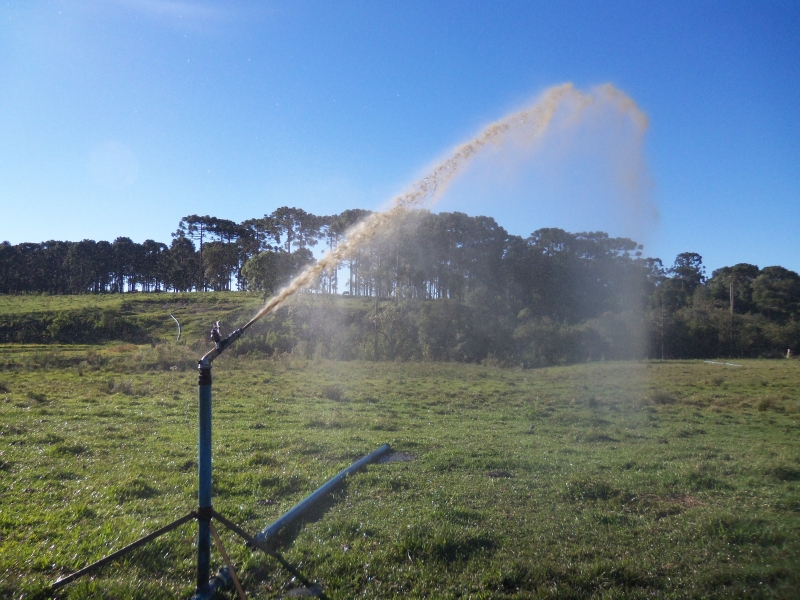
{"points": [[83, 267], [9, 269], [734, 285], [689, 270], [221, 264], [776, 293], [151, 269], [182, 265], [124, 259], [195, 227]]}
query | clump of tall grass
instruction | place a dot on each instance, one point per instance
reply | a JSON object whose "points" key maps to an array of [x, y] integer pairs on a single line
{"points": [[335, 392], [661, 397], [769, 403], [132, 489]]}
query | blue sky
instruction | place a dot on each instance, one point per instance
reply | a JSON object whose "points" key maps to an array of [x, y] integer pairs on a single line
{"points": [[120, 117]]}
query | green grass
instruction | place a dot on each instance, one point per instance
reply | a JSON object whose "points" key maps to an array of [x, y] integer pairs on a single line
{"points": [[46, 319], [606, 480]]}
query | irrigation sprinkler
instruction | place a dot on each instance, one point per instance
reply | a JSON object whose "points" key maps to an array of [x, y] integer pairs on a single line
{"points": [[225, 578]]}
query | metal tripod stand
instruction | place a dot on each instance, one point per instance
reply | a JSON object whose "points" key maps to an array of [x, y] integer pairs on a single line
{"points": [[206, 585]]}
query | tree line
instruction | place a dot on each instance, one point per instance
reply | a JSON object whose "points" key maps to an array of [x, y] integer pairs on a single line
{"points": [[551, 297], [206, 253]]}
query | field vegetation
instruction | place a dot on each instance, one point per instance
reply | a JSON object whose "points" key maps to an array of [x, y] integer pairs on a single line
{"points": [[450, 287], [677, 479]]}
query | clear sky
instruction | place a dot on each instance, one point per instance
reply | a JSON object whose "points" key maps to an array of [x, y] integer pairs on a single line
{"points": [[118, 118]]}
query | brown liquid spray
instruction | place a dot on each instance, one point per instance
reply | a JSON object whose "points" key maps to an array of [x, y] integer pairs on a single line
{"points": [[529, 125]]}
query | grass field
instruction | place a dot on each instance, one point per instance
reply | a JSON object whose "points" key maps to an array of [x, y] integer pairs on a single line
{"points": [[51, 319], [605, 480]]}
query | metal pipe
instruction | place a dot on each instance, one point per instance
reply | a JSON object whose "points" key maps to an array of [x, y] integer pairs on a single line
{"points": [[271, 530], [204, 475], [269, 551], [205, 587], [179, 327]]}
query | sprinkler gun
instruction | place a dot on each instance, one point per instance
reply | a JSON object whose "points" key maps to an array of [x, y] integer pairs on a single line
{"points": [[219, 344], [207, 586]]}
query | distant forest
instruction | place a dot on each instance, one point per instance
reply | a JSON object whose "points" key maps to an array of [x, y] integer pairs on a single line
{"points": [[451, 287]]}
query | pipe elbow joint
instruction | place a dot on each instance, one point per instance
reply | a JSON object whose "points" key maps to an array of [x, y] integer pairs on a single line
{"points": [[229, 340]]}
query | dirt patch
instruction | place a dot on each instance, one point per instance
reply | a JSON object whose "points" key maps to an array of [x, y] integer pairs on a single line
{"points": [[686, 501]]}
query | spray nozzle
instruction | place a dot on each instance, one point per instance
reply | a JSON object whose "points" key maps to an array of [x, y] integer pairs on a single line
{"points": [[221, 344], [215, 334]]}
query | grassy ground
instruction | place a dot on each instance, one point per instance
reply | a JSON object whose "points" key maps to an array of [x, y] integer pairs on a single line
{"points": [[93, 318], [605, 480]]}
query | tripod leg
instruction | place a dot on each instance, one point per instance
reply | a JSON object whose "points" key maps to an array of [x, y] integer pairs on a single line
{"points": [[122, 551], [221, 549], [274, 554]]}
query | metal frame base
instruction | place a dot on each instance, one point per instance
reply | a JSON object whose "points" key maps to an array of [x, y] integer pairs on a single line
{"points": [[224, 577], [207, 586]]}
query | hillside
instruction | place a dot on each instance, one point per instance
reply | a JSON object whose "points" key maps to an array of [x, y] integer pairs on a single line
{"points": [[135, 318]]}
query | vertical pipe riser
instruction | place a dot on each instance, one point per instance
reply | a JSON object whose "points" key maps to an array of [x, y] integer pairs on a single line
{"points": [[204, 477]]}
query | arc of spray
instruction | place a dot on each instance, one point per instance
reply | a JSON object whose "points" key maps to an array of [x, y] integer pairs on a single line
{"points": [[430, 187]]}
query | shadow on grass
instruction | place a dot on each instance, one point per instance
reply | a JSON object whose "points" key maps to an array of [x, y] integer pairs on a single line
{"points": [[316, 512], [742, 530]]}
